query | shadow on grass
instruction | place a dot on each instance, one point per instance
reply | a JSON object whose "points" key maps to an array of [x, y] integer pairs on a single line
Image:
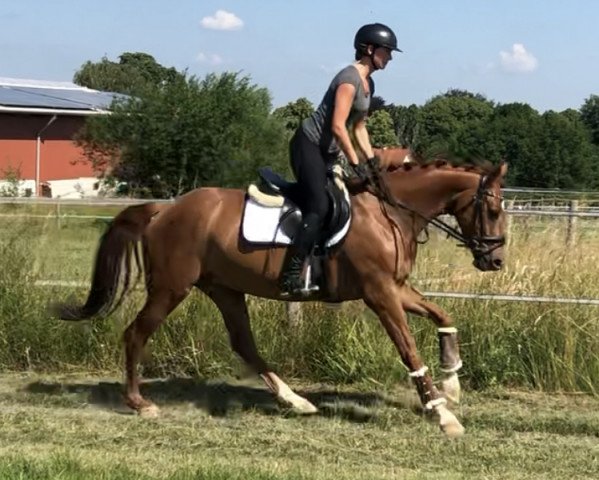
{"points": [[222, 398]]}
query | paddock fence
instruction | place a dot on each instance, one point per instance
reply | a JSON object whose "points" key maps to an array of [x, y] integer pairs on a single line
{"points": [[521, 203]]}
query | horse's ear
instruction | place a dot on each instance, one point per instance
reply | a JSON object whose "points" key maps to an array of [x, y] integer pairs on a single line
{"points": [[497, 174]]}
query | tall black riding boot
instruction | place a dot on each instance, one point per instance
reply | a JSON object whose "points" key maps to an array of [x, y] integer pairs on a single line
{"points": [[291, 279]]}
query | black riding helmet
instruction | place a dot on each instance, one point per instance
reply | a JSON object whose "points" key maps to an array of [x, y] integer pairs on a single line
{"points": [[375, 34]]}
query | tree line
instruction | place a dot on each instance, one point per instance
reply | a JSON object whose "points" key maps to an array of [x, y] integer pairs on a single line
{"points": [[174, 132]]}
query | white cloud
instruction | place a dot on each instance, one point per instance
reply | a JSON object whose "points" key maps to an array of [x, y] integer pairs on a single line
{"points": [[222, 20], [210, 58], [518, 60]]}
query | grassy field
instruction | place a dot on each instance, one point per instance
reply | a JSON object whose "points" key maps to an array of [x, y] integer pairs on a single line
{"points": [[539, 346], [74, 427], [64, 249], [530, 376]]}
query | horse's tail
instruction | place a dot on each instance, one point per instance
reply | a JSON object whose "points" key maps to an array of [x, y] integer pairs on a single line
{"points": [[118, 246]]}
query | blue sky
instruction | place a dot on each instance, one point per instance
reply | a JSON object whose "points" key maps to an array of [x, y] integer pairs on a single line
{"points": [[542, 52]]}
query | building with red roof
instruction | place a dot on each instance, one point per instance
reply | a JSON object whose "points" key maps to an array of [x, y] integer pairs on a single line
{"points": [[38, 123]]}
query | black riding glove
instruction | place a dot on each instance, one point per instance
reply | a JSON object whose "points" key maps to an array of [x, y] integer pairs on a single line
{"points": [[361, 171], [373, 164]]}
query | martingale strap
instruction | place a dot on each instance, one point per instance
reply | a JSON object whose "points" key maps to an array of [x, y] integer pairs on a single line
{"points": [[480, 244]]}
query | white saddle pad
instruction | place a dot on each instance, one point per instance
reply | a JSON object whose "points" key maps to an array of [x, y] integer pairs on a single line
{"points": [[260, 224]]}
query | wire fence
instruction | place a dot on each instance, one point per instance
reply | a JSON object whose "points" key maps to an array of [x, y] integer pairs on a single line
{"points": [[455, 295], [531, 206]]}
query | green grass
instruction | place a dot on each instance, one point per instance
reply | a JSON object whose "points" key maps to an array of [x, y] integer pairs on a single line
{"points": [[56, 422], [74, 426], [57, 209], [543, 347]]}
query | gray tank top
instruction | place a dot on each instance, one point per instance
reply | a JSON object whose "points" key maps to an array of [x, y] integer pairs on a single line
{"points": [[317, 126]]}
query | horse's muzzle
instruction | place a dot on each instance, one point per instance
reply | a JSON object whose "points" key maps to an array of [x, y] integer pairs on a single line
{"points": [[487, 252], [489, 262]]}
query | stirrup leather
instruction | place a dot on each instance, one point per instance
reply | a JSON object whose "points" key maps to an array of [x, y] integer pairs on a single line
{"points": [[308, 286]]}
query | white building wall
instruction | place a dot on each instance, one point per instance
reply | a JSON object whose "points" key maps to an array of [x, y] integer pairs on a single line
{"points": [[83, 187]]}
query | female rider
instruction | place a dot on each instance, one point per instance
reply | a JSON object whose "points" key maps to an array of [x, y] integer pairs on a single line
{"points": [[319, 139]]}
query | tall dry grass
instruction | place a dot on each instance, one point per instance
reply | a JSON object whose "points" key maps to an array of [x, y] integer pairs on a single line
{"points": [[539, 346]]}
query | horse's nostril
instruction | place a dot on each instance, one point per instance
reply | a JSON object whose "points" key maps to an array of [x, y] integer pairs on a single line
{"points": [[497, 263]]}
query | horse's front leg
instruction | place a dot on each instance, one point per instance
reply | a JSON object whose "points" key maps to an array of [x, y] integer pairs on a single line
{"points": [[387, 302], [449, 350]]}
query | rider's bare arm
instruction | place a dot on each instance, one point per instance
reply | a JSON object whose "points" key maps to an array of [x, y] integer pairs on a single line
{"points": [[363, 139], [344, 97]]}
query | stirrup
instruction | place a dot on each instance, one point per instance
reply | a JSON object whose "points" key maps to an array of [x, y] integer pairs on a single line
{"points": [[308, 286], [299, 286]]}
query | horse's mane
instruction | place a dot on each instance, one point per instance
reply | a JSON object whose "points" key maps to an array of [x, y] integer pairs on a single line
{"points": [[479, 166], [420, 163]]}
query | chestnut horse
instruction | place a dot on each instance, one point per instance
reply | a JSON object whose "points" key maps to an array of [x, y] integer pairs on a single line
{"points": [[394, 157], [196, 242]]}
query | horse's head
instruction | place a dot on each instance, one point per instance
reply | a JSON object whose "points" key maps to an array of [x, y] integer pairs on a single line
{"points": [[471, 196], [481, 217]]}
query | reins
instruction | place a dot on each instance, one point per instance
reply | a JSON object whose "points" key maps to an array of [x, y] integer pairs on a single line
{"points": [[480, 244]]}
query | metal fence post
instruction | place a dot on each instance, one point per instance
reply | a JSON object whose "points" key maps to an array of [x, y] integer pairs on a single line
{"points": [[58, 214], [294, 314], [572, 220], [509, 221]]}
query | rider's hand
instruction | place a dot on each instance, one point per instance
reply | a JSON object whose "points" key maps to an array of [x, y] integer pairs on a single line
{"points": [[373, 164], [361, 171]]}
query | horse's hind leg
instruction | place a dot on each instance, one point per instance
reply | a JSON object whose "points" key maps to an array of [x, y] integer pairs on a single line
{"points": [[449, 352], [234, 311], [159, 304]]}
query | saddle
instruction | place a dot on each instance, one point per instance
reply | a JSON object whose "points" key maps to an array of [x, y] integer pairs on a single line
{"points": [[274, 191]]}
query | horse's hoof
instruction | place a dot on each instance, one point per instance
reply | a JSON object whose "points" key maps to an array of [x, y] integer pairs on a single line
{"points": [[448, 423], [149, 411], [305, 408], [450, 389], [453, 429], [298, 405]]}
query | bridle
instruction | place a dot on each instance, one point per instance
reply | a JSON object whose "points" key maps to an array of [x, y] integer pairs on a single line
{"points": [[479, 244]]}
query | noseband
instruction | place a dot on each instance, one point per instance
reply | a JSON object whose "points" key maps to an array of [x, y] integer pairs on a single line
{"points": [[482, 244]]}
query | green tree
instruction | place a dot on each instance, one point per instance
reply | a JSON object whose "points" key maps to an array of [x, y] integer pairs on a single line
{"points": [[132, 75], [450, 123], [551, 150], [567, 153], [188, 133], [376, 103], [405, 123], [381, 130], [512, 134], [293, 113], [589, 113]]}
